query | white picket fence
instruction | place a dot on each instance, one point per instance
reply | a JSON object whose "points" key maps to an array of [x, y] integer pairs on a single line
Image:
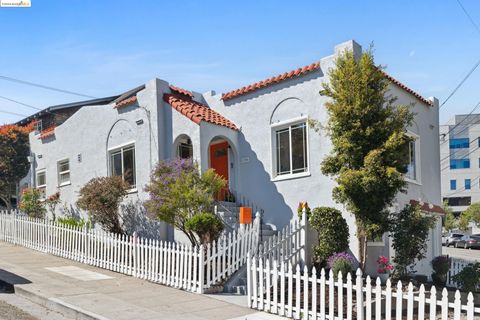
{"points": [[456, 266], [288, 245], [177, 265], [286, 291]]}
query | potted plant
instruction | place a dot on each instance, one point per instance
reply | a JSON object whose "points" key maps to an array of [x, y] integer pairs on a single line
{"points": [[384, 268], [440, 266]]}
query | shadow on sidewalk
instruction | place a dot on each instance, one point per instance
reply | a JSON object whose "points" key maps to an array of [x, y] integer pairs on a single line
{"points": [[8, 280]]}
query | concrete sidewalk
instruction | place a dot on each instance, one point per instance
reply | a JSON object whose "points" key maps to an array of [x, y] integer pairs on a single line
{"points": [[80, 291]]}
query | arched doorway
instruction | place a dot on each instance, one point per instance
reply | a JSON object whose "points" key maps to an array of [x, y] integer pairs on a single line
{"points": [[222, 157]]}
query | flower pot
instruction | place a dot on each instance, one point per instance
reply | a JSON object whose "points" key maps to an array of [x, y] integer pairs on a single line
{"points": [[383, 277]]}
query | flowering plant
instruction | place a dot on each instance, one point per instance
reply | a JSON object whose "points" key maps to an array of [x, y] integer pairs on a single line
{"points": [[340, 256], [384, 265], [303, 205]]}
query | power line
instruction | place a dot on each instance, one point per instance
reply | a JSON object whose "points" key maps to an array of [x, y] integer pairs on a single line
{"points": [[13, 113], [460, 84], [44, 86], [21, 103], [475, 65], [469, 16]]}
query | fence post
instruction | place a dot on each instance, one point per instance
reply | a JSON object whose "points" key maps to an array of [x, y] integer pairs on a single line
{"points": [[249, 280], [258, 229], [304, 259], [201, 268]]}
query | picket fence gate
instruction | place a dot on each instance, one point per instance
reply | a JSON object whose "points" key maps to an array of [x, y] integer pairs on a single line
{"points": [[284, 290], [177, 265], [287, 246]]}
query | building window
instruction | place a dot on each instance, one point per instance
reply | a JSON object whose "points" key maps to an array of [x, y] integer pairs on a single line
{"points": [[122, 164], [38, 125], [468, 184], [459, 163], [42, 183], [412, 161], [459, 143], [63, 168], [185, 149], [453, 184], [458, 201], [291, 149]]}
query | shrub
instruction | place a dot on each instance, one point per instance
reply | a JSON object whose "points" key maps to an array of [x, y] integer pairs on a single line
{"points": [[101, 198], [332, 232], [178, 191], [469, 278], [74, 222], [343, 262], [440, 266], [31, 203], [207, 226], [52, 202], [409, 232]]}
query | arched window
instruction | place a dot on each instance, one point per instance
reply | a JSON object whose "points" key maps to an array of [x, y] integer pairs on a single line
{"points": [[184, 148]]}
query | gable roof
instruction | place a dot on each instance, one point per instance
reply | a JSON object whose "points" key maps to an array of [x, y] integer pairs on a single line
{"points": [[273, 80], [407, 89], [301, 71], [196, 111]]}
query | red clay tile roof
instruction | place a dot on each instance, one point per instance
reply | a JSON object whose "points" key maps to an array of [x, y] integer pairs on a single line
{"points": [[426, 207], [404, 87], [126, 102], [181, 91], [270, 81], [48, 132], [196, 111]]}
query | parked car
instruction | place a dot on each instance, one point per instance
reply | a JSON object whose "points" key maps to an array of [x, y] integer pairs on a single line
{"points": [[468, 242], [450, 238]]}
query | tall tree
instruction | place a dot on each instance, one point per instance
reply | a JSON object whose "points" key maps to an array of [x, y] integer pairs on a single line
{"points": [[370, 148], [14, 165]]}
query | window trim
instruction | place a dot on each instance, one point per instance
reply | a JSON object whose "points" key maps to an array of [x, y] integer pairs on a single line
{"points": [[42, 186], [120, 148], [59, 173], [274, 127], [418, 165]]}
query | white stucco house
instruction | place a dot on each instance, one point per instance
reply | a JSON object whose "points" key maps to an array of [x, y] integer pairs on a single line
{"points": [[257, 137]]}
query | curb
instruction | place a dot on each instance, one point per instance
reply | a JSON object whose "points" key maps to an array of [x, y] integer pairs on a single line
{"points": [[58, 305]]}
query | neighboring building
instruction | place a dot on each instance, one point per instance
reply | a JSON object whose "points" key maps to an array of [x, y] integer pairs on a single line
{"points": [[460, 161], [257, 137]]}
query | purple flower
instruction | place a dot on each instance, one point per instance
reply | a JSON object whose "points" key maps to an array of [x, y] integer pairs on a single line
{"points": [[341, 255]]}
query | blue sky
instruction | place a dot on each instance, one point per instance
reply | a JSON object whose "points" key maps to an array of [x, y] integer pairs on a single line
{"points": [[102, 48]]}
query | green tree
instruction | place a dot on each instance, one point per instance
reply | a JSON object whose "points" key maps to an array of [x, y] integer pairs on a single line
{"points": [[370, 148], [409, 232], [101, 198], [449, 222], [472, 214], [178, 191], [14, 165], [31, 203], [332, 230]]}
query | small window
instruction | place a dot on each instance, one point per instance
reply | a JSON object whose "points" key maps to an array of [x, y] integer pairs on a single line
{"points": [[468, 184], [63, 168], [459, 143], [38, 125], [42, 183], [122, 164], [412, 162], [453, 184], [291, 149], [185, 148], [459, 163]]}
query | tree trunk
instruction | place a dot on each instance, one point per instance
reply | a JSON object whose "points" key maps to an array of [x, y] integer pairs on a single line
{"points": [[362, 247], [6, 199]]}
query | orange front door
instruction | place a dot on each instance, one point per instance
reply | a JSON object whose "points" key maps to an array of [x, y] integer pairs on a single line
{"points": [[219, 162]]}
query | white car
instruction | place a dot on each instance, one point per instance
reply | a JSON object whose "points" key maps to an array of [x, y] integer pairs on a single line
{"points": [[449, 239]]}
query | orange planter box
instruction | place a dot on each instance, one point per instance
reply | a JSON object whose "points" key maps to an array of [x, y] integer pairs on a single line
{"points": [[245, 215]]}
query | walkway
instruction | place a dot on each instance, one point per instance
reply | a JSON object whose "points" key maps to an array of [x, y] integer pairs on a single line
{"points": [[82, 291]]}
